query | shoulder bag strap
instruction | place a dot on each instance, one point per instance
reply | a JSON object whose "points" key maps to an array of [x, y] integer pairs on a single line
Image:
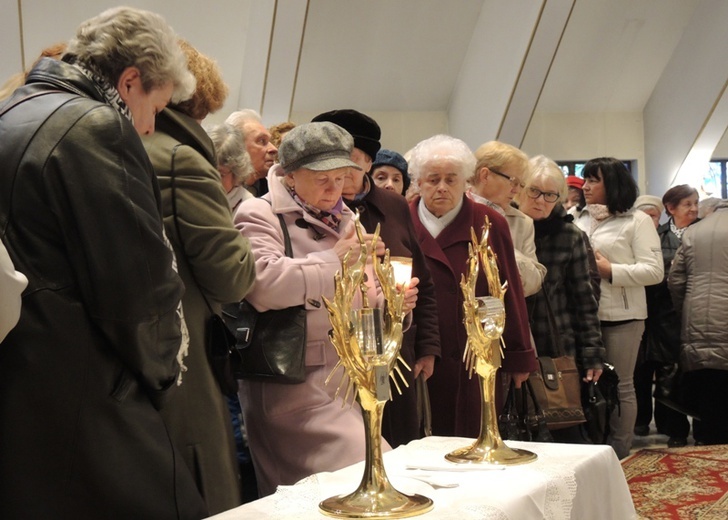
{"points": [[286, 237], [558, 345]]}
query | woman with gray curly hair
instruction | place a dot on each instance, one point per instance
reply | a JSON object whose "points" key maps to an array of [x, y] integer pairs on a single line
{"points": [[134, 58], [443, 217], [233, 162], [99, 346]]}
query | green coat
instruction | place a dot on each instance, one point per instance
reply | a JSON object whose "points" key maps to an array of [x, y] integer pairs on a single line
{"points": [[214, 259]]}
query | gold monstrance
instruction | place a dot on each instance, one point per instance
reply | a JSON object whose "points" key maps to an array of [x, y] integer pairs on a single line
{"points": [[484, 321], [368, 347]]}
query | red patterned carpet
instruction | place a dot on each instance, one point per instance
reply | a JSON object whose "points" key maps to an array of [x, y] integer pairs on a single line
{"points": [[679, 483]]}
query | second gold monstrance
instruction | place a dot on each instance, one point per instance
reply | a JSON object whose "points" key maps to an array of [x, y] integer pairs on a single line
{"points": [[484, 321]]}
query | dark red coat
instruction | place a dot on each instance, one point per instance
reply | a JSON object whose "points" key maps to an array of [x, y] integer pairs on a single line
{"points": [[455, 398], [389, 209]]}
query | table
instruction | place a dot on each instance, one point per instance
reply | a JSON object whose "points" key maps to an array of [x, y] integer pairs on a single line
{"points": [[566, 481]]}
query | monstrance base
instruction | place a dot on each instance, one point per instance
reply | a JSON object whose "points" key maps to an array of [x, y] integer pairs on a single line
{"points": [[389, 503], [501, 456]]}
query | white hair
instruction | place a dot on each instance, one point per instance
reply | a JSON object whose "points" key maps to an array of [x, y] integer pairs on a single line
{"points": [[230, 151], [239, 118], [441, 147]]}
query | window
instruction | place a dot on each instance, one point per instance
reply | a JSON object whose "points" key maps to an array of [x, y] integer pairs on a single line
{"points": [[714, 180]]}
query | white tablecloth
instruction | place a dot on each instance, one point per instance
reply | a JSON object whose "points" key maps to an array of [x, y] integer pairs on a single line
{"points": [[566, 481]]}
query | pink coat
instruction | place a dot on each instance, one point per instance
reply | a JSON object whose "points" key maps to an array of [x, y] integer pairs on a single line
{"points": [[297, 430]]}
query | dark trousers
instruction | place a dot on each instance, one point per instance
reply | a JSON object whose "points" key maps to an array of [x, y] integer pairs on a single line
{"points": [[709, 388], [668, 421]]}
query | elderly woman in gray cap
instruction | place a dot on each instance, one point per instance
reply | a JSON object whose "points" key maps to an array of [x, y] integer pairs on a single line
{"points": [[297, 430]]}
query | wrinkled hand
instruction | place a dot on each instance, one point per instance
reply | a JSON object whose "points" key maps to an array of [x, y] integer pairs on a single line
{"points": [[410, 295], [424, 365], [604, 266], [351, 242], [592, 374]]}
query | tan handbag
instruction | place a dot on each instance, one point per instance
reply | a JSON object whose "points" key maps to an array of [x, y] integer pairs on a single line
{"points": [[557, 387], [557, 383]]}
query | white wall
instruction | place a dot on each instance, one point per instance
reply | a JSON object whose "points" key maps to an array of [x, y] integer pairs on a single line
{"points": [[488, 75], [721, 151], [11, 61], [400, 130], [579, 136], [687, 100]]}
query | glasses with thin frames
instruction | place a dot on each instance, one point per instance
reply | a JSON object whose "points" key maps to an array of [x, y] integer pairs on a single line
{"points": [[548, 196], [514, 182]]}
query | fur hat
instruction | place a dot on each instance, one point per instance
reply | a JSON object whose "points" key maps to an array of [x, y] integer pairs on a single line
{"points": [[363, 129]]}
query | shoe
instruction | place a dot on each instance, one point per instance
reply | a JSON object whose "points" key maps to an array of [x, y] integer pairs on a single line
{"points": [[642, 431], [677, 442]]}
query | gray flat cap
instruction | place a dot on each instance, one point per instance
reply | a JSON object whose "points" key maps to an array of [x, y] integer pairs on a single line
{"points": [[316, 146]]}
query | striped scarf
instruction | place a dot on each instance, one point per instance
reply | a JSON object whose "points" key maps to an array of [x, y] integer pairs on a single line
{"points": [[106, 89]]}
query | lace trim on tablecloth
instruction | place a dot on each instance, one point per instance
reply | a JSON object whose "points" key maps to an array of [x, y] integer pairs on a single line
{"points": [[552, 465]]}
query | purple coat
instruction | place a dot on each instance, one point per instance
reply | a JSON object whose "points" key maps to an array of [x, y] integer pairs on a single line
{"points": [[454, 397], [297, 430]]}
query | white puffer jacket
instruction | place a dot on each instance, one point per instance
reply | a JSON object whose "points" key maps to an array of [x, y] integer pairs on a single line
{"points": [[630, 242]]}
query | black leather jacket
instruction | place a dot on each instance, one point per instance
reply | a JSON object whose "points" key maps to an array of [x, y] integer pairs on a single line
{"points": [[95, 349]]}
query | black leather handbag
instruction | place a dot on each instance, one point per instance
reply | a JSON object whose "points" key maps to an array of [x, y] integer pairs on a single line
{"points": [[524, 420], [270, 345], [599, 400]]}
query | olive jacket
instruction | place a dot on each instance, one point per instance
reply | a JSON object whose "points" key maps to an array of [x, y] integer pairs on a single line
{"points": [[216, 264]]}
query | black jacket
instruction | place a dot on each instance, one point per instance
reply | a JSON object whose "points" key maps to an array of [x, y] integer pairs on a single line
{"points": [[94, 353], [661, 339]]}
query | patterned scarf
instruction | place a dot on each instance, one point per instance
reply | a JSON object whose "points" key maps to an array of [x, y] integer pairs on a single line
{"points": [[598, 213], [184, 345], [331, 218], [676, 230], [107, 90]]}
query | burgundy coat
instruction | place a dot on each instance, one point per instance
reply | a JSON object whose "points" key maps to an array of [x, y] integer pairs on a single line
{"points": [[400, 423], [454, 397]]}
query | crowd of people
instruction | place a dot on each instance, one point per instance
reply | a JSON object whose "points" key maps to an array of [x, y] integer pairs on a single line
{"points": [[126, 225]]}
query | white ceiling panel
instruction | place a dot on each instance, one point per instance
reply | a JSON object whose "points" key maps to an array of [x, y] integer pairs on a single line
{"points": [[383, 54], [612, 54]]}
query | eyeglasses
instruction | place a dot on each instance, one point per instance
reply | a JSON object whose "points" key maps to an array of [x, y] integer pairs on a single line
{"points": [[514, 182], [548, 196]]}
